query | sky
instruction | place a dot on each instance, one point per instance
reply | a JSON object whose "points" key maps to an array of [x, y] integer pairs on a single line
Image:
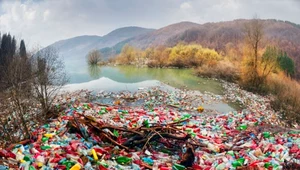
{"points": [[43, 22]]}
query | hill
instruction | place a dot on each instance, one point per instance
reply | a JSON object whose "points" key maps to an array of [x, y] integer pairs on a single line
{"points": [[220, 35], [78, 47]]}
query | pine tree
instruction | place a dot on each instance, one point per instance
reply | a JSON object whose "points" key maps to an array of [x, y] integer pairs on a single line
{"points": [[22, 51]]}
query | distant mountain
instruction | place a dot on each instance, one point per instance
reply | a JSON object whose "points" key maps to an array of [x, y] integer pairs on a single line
{"points": [[216, 35], [78, 47], [153, 38], [162, 35]]}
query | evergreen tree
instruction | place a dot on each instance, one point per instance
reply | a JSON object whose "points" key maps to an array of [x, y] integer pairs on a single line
{"points": [[13, 47], [286, 64], [8, 49], [22, 50]]}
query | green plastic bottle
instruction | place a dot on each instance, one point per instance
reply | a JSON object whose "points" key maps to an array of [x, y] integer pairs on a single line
{"points": [[45, 147], [123, 160], [104, 164], [242, 127], [267, 165], [44, 139], [31, 167], [178, 167], [241, 160], [231, 153], [86, 106], [68, 164], [236, 164], [146, 123], [27, 158], [266, 134], [101, 112]]}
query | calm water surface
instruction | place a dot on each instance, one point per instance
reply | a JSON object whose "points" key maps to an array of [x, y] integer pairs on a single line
{"points": [[131, 78]]}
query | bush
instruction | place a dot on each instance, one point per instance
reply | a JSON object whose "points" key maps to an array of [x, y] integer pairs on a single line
{"points": [[286, 100], [223, 70]]}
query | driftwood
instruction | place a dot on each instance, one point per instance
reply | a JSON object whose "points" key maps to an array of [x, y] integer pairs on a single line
{"points": [[140, 137]]}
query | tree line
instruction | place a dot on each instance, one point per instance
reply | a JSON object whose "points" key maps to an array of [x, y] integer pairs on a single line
{"points": [[29, 84]]}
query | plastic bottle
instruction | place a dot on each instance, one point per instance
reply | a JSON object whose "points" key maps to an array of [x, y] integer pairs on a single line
{"points": [[147, 160], [68, 164], [266, 134], [46, 147], [123, 160], [200, 109], [178, 167], [27, 158], [19, 156], [49, 135], [31, 167], [2, 167], [76, 167], [44, 139], [94, 154], [236, 164], [242, 127], [88, 166], [213, 147], [221, 166], [146, 123]]}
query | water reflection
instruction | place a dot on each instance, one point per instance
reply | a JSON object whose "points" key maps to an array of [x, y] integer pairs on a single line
{"points": [[94, 71], [131, 78], [179, 78]]}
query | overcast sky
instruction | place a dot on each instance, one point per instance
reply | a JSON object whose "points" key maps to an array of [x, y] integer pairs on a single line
{"points": [[42, 22]]}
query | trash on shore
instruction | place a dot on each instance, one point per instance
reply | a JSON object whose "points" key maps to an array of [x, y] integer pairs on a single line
{"points": [[156, 130]]}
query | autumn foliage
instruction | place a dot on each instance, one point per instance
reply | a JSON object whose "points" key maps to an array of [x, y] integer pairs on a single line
{"points": [[179, 56], [257, 64]]}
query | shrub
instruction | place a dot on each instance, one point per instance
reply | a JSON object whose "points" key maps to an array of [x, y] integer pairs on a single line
{"points": [[286, 100], [222, 69]]}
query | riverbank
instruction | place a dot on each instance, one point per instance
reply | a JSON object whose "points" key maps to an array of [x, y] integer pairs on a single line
{"points": [[90, 133]]}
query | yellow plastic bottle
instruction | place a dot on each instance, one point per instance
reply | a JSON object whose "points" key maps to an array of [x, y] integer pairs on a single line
{"points": [[48, 135], [95, 155], [76, 167], [200, 109]]}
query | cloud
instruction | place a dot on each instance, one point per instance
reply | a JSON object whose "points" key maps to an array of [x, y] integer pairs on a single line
{"points": [[44, 22], [185, 6]]}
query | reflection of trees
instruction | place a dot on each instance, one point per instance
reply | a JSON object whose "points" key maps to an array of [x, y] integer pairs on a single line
{"points": [[176, 77], [94, 71]]}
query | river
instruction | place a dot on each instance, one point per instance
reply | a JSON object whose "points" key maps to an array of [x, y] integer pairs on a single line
{"points": [[132, 78]]}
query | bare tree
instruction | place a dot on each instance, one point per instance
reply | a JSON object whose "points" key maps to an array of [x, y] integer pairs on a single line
{"points": [[253, 37], [253, 31], [15, 99], [48, 77], [94, 57]]}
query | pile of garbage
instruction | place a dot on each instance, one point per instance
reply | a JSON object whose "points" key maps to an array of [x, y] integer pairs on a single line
{"points": [[153, 129]]}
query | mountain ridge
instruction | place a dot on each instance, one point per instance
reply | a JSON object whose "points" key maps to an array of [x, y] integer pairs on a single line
{"points": [[77, 47], [215, 35]]}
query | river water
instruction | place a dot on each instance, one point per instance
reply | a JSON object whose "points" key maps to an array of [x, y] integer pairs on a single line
{"points": [[132, 78]]}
